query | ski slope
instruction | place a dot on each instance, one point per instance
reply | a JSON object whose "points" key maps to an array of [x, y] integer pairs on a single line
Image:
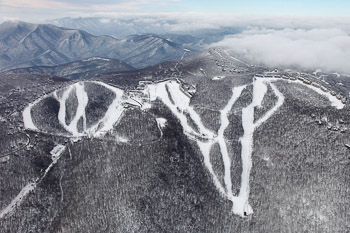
{"points": [[178, 101]]}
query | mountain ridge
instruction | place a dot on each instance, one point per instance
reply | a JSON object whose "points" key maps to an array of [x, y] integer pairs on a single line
{"points": [[25, 45], [78, 69]]}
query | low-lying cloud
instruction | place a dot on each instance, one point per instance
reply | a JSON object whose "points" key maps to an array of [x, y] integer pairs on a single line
{"points": [[327, 49], [182, 22]]}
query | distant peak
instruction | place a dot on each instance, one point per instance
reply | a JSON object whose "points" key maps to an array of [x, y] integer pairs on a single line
{"points": [[15, 23]]}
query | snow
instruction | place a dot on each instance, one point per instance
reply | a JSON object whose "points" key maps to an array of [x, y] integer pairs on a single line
{"points": [[62, 110], [240, 203], [218, 77], [27, 114], [259, 90], [122, 139], [171, 94], [153, 52], [17, 201], [180, 107], [161, 122], [80, 113], [334, 101], [179, 103], [236, 92], [83, 99], [279, 103], [234, 58], [112, 115], [205, 148], [27, 118], [56, 151], [317, 71], [106, 123], [96, 58]]}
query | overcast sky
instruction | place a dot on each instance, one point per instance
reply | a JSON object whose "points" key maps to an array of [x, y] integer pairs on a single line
{"points": [[41, 10]]}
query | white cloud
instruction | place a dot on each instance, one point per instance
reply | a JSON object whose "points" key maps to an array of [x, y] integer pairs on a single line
{"points": [[105, 20], [193, 21], [9, 18], [328, 49], [39, 4]]}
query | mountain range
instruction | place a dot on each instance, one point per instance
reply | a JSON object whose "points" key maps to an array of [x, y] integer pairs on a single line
{"points": [[26, 45], [78, 69]]}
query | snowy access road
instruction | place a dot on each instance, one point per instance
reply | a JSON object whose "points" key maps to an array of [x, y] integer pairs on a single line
{"points": [[56, 153]]}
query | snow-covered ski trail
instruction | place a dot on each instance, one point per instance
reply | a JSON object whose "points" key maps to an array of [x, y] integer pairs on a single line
{"points": [[82, 98], [179, 104], [241, 204], [171, 94], [236, 93], [101, 127], [112, 115]]}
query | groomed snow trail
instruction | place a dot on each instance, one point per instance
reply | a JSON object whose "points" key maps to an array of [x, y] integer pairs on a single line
{"points": [[180, 106], [100, 128], [56, 153], [241, 204], [333, 99], [236, 93], [82, 98], [27, 118], [112, 115], [171, 94]]}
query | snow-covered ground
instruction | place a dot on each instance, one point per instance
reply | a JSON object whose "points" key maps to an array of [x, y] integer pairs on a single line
{"points": [[161, 123], [215, 78], [178, 101]]}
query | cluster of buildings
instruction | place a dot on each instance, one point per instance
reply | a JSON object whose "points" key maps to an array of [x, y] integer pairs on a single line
{"points": [[337, 127], [302, 78], [142, 97]]}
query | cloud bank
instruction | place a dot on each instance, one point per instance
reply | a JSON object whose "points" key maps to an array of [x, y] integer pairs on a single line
{"points": [[327, 49], [188, 21]]}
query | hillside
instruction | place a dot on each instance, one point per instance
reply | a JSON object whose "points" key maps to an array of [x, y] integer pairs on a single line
{"points": [[26, 45], [78, 69], [210, 143]]}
